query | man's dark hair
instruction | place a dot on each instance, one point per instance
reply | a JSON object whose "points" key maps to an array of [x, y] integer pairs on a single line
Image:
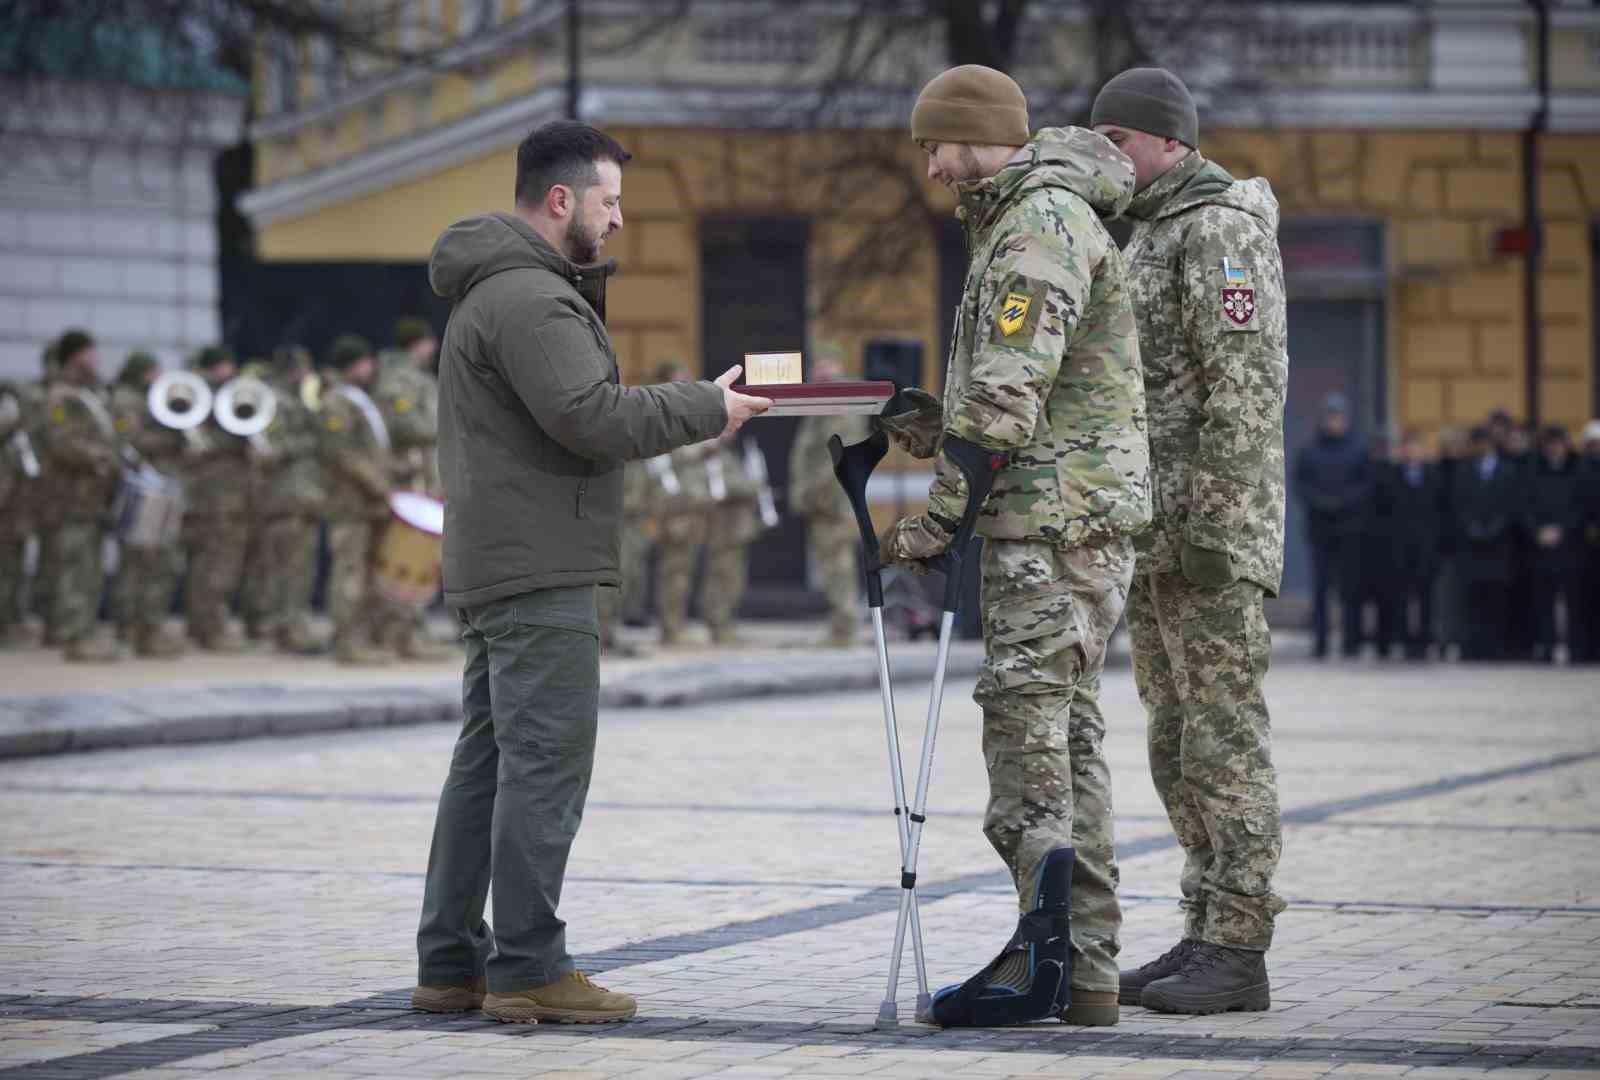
{"points": [[562, 152]]}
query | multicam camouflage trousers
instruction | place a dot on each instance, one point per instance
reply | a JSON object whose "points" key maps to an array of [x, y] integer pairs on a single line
{"points": [[614, 604], [287, 569], [216, 563], [355, 607], [13, 576], [681, 537], [727, 571], [146, 582], [75, 602], [1048, 612], [834, 543], [1199, 657]]}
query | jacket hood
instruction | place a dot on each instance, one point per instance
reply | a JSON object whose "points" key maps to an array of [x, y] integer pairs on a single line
{"points": [[1195, 181], [480, 247], [1073, 158]]}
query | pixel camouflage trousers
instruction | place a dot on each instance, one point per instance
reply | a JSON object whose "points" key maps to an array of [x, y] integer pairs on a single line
{"points": [[834, 543], [1199, 657], [1048, 612]]}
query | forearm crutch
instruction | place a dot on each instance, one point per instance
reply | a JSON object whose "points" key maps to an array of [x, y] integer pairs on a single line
{"points": [[853, 465]]}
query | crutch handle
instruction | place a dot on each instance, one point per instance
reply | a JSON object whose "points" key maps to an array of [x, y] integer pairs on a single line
{"points": [[852, 466], [980, 466]]}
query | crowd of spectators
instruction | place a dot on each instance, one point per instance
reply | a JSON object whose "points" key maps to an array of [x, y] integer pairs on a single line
{"points": [[1490, 551]]}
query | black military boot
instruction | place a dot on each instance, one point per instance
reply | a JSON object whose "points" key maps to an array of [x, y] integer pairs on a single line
{"points": [[1214, 979], [1132, 983]]}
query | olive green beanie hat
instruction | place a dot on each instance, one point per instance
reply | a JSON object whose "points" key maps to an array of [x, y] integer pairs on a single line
{"points": [[971, 104], [1152, 100]]}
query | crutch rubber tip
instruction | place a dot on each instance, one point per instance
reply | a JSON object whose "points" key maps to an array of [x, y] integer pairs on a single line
{"points": [[888, 1015], [925, 1008]]}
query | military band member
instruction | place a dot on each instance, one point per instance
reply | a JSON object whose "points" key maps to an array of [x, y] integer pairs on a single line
{"points": [[357, 469], [817, 499], [1207, 286], [731, 527], [216, 520], [19, 493], [147, 577], [637, 530], [291, 508], [407, 393], [80, 450]]}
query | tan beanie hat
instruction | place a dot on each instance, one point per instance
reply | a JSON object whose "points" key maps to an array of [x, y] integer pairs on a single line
{"points": [[971, 104]]}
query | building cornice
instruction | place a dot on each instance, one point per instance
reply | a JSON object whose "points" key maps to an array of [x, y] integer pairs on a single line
{"points": [[506, 124], [406, 159]]}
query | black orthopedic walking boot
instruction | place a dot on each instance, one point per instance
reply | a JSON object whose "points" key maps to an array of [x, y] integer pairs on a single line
{"points": [[1031, 979], [1131, 984], [1215, 978]]}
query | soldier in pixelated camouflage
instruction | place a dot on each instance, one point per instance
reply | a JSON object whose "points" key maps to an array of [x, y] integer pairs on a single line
{"points": [[1207, 286]]}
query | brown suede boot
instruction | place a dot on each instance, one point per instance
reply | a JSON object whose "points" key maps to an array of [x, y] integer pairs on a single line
{"points": [[460, 997], [571, 999]]}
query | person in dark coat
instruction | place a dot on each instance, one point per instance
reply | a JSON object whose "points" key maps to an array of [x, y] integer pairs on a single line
{"points": [[1586, 608], [1553, 520], [1377, 543], [1334, 479], [1411, 504], [1519, 452], [1485, 508]]}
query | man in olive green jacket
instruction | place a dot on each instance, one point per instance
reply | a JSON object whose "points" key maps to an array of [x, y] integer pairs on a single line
{"points": [[534, 426]]}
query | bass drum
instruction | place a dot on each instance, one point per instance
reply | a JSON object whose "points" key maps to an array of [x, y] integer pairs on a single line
{"points": [[148, 509], [406, 567]]}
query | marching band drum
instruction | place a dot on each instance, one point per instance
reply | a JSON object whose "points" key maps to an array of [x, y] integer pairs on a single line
{"points": [[406, 566]]}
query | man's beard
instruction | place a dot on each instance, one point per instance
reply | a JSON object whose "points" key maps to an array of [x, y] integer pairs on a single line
{"points": [[583, 247]]}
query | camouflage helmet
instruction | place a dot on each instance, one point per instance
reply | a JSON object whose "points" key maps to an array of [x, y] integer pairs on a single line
{"points": [[212, 356], [346, 350], [410, 330], [71, 343], [134, 369]]}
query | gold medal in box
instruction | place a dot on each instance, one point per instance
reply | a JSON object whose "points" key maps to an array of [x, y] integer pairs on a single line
{"points": [[777, 376]]}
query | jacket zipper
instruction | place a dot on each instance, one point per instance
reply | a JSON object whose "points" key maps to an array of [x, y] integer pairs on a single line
{"points": [[583, 486]]}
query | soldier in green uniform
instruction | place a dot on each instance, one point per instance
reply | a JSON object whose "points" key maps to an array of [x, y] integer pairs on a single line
{"points": [[1207, 285], [681, 523], [731, 527], [80, 450], [148, 576], [290, 508], [20, 408], [407, 393], [41, 510], [816, 498], [1044, 368], [633, 556], [216, 522], [357, 469]]}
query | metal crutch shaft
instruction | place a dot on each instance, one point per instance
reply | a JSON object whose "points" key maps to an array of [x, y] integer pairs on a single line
{"points": [[853, 467]]}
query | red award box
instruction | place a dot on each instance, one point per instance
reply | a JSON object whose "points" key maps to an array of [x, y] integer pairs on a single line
{"points": [[821, 399]]}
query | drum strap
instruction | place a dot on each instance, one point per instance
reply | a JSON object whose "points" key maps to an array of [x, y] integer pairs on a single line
{"points": [[97, 409], [358, 397]]}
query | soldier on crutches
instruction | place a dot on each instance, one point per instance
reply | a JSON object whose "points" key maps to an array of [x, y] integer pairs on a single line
{"points": [[1044, 367]]}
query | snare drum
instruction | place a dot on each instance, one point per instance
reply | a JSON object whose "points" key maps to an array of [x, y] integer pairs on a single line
{"points": [[148, 509], [406, 569]]}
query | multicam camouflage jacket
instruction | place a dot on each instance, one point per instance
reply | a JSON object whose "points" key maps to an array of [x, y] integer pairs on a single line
{"points": [[1207, 285], [1045, 356]]}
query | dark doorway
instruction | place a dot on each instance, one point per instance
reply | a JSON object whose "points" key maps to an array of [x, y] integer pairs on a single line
{"points": [[1594, 320], [266, 304], [753, 274]]}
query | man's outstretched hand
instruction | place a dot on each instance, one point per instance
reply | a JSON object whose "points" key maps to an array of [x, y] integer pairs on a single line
{"points": [[741, 407]]}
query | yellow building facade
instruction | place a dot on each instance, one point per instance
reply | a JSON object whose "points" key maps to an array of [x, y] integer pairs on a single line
{"points": [[1419, 144]]}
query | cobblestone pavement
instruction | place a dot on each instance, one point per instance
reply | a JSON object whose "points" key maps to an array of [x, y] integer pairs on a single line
{"points": [[249, 908]]}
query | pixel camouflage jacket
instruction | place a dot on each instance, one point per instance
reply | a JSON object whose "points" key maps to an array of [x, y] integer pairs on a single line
{"points": [[1207, 285], [1045, 359]]}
